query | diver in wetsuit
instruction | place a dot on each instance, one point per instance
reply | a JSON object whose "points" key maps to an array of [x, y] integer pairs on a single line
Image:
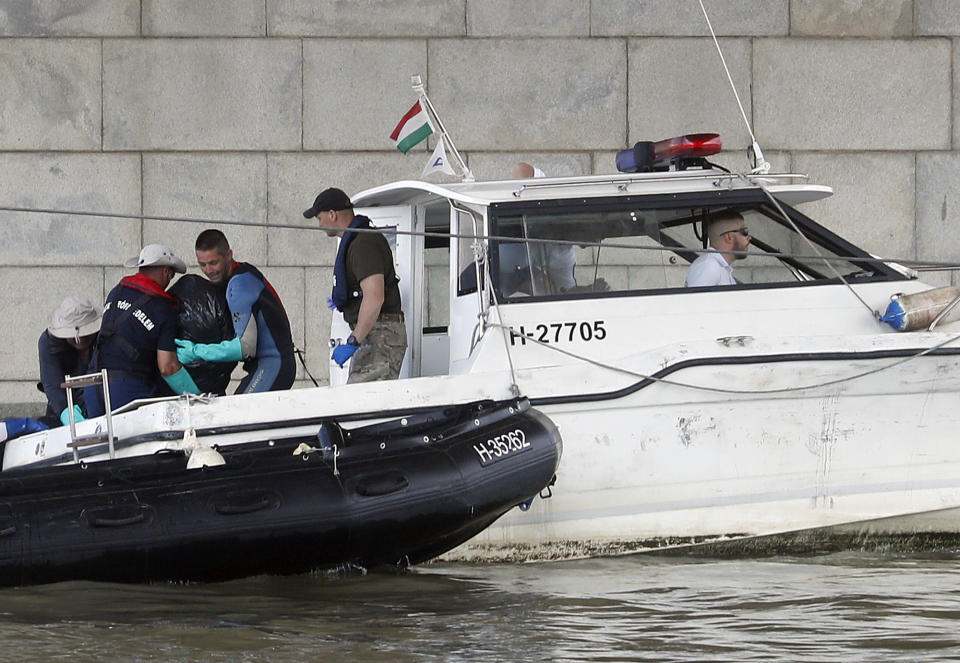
{"points": [[263, 339]]}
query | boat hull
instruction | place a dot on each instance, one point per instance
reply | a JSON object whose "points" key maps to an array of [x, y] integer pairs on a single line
{"points": [[394, 493], [798, 441]]}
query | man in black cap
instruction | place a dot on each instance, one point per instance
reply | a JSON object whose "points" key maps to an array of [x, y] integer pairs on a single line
{"points": [[364, 289]]}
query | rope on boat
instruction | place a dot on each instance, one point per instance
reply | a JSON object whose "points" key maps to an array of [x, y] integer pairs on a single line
{"points": [[929, 265], [723, 390], [776, 204], [762, 167]]}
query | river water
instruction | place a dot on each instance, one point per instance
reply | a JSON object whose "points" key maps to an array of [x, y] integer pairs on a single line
{"points": [[836, 607]]}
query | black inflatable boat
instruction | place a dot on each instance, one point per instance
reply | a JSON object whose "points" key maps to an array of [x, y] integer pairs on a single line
{"points": [[392, 493]]}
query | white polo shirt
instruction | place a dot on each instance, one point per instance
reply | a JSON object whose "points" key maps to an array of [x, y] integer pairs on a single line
{"points": [[710, 268]]}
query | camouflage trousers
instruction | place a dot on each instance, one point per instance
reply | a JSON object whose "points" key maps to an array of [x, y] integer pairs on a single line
{"points": [[381, 354]]}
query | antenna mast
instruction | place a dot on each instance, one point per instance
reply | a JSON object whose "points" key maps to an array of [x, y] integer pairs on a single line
{"points": [[761, 167]]}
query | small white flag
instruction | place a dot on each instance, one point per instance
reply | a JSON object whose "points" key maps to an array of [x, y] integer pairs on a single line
{"points": [[438, 162]]}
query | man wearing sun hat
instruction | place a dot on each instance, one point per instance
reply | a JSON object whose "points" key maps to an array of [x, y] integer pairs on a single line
{"points": [[64, 349], [136, 340]]}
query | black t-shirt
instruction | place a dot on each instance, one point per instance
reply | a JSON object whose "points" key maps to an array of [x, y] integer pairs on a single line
{"points": [[142, 323], [369, 254]]}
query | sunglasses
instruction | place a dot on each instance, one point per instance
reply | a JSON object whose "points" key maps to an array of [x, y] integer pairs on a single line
{"points": [[743, 231]]}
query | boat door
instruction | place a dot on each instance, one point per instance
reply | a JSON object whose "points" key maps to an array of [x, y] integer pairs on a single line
{"points": [[397, 217], [466, 298]]}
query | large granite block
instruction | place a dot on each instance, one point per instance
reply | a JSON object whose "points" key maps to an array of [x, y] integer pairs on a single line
{"points": [[938, 207], [21, 399], [100, 183], [51, 94], [534, 94], [938, 17], [29, 296], [204, 18], [365, 18], [373, 78], [204, 94], [204, 188], [669, 98], [956, 93], [516, 18], [851, 18], [77, 18], [499, 165], [852, 94], [685, 19], [873, 201], [294, 180]]}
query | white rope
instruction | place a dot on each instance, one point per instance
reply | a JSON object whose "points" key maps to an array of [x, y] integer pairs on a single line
{"points": [[722, 390]]}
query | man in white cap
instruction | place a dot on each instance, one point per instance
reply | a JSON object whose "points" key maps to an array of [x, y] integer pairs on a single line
{"points": [[136, 340], [64, 349]]}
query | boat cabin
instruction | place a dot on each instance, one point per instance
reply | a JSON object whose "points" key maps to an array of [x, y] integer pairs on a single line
{"points": [[464, 248]]}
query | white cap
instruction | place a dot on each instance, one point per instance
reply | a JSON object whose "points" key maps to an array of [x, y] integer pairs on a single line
{"points": [[157, 255], [76, 317]]}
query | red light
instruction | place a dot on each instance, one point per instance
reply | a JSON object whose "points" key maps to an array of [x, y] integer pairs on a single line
{"points": [[691, 145]]}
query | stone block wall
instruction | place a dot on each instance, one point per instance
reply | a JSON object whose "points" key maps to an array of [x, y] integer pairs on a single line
{"points": [[177, 108]]}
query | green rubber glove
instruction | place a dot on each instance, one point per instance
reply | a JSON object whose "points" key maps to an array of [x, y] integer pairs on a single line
{"points": [[185, 353], [224, 351], [182, 383], [77, 415]]}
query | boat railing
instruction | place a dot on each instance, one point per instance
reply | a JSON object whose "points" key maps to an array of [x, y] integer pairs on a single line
{"points": [[71, 382]]}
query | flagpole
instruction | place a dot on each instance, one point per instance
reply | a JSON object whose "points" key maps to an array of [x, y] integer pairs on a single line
{"points": [[418, 87]]}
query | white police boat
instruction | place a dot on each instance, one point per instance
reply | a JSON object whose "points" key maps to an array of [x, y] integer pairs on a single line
{"points": [[778, 413]]}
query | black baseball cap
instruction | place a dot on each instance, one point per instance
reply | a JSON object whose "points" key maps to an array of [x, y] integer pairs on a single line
{"points": [[329, 199]]}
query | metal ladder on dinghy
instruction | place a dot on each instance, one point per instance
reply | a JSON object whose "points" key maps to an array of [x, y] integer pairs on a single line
{"points": [[71, 382]]}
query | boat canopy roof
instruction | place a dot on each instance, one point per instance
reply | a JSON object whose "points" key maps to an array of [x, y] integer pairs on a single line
{"points": [[790, 188]]}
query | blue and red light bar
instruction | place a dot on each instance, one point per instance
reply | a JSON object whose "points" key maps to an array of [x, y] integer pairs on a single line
{"points": [[646, 156]]}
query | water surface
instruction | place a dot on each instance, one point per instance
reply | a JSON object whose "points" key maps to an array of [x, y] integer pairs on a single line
{"points": [[839, 607]]}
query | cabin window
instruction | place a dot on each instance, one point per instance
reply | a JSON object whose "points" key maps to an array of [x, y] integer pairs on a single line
{"points": [[570, 250]]}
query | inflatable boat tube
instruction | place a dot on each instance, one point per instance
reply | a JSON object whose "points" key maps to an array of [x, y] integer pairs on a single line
{"points": [[392, 493]]}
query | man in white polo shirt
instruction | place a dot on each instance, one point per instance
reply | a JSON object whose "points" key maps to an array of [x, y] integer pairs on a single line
{"points": [[727, 233]]}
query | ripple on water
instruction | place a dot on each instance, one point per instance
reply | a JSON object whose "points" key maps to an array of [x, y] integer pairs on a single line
{"points": [[842, 607]]}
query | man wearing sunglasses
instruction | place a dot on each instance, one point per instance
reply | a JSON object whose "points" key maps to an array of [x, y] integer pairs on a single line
{"points": [[727, 234]]}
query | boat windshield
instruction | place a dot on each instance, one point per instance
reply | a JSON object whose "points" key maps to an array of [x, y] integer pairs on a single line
{"points": [[637, 245]]}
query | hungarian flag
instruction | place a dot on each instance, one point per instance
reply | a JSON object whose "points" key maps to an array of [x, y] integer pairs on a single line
{"points": [[413, 128]]}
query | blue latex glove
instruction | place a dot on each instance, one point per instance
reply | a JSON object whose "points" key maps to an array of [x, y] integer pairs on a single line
{"points": [[330, 304], [185, 351], [342, 353], [181, 382], [77, 415]]}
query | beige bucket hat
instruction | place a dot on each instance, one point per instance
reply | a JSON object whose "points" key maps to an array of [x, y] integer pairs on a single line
{"points": [[76, 317]]}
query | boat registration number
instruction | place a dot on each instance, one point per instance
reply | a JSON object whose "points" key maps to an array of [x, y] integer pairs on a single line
{"points": [[501, 446], [560, 332]]}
